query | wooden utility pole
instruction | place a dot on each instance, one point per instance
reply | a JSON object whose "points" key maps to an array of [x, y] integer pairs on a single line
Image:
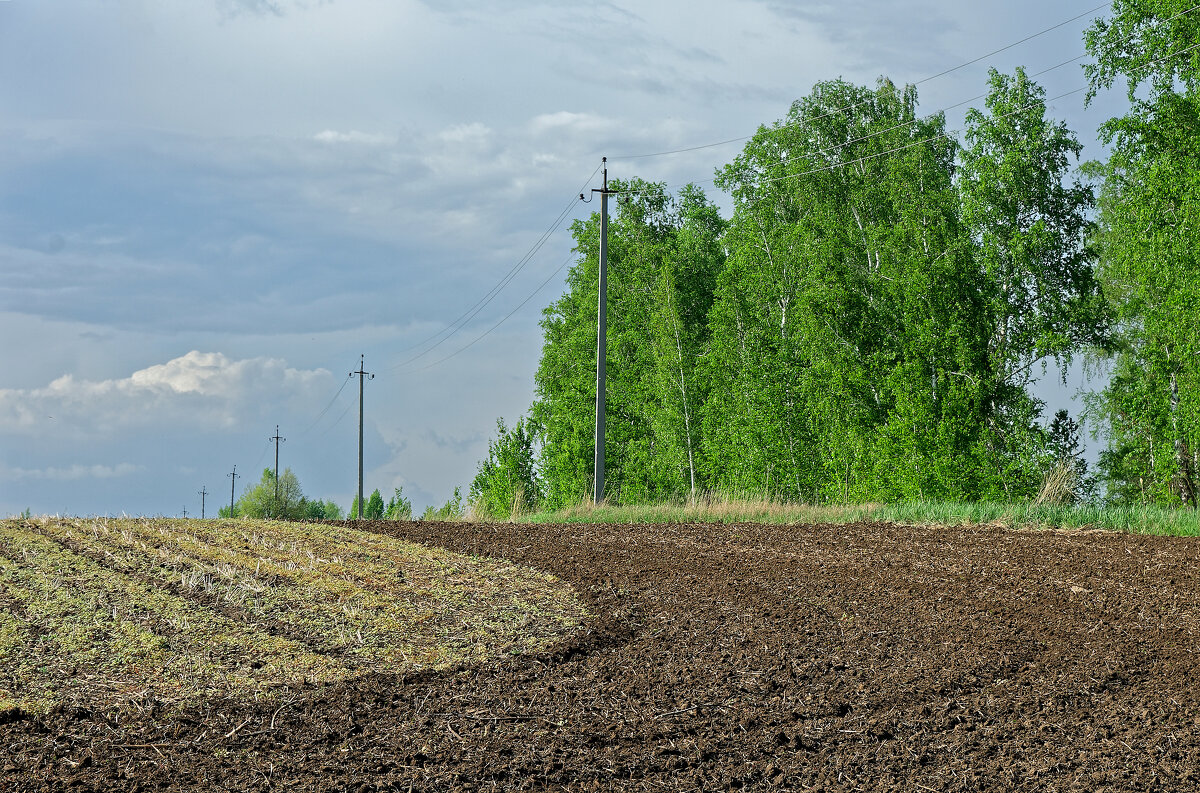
{"points": [[277, 440], [232, 486], [202, 492], [362, 374], [601, 338]]}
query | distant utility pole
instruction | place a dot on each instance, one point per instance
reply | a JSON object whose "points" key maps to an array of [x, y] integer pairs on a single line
{"points": [[362, 374], [277, 440], [233, 477], [601, 337], [203, 491], [185, 510]]}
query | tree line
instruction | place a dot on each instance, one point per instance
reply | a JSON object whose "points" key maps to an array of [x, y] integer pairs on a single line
{"points": [[869, 321], [285, 500]]}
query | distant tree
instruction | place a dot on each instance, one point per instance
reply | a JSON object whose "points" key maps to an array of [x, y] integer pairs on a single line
{"points": [[848, 355], [321, 510], [1030, 222], [260, 500], [506, 481], [374, 508], [451, 510], [398, 507]]}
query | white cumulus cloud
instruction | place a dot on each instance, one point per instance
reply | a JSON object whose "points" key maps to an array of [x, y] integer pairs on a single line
{"points": [[550, 122], [354, 136], [199, 388]]}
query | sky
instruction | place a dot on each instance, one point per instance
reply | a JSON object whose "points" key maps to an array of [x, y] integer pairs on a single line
{"points": [[210, 209]]}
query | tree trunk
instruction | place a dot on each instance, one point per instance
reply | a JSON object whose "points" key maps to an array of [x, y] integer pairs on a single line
{"points": [[1185, 482]]}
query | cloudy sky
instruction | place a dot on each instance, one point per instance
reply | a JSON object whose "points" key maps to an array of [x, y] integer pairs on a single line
{"points": [[209, 209]]}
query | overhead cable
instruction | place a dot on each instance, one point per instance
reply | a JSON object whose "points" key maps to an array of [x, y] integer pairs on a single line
{"points": [[504, 318], [457, 325], [833, 149], [860, 104], [325, 409]]}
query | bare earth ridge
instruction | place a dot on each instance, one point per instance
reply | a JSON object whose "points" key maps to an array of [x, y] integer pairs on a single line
{"points": [[860, 657]]}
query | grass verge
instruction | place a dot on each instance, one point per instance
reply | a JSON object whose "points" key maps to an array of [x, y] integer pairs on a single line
{"points": [[109, 614], [730, 509]]}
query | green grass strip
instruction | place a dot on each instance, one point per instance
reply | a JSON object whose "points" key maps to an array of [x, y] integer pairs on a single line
{"points": [[734, 509]]}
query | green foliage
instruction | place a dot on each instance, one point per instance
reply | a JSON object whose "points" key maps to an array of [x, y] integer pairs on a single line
{"points": [[506, 483], [374, 509], [321, 510], [1029, 226], [865, 327], [265, 500], [664, 254], [451, 510], [1150, 232], [848, 356], [398, 507]]}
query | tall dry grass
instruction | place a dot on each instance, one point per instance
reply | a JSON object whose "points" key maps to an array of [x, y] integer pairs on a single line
{"points": [[708, 508], [1059, 486]]}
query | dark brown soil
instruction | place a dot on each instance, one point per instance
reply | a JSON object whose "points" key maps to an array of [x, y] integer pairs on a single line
{"points": [[865, 657]]}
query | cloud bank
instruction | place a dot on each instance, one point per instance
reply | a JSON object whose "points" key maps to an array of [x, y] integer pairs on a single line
{"points": [[197, 389]]}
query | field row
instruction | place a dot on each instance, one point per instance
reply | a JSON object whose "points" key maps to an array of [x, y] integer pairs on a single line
{"points": [[121, 612]]}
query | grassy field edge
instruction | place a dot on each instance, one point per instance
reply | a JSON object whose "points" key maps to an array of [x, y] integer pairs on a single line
{"points": [[730, 509]]}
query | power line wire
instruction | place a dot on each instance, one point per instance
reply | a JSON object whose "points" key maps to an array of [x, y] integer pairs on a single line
{"points": [[833, 149], [540, 287], [457, 325], [325, 409], [336, 422], [860, 104]]}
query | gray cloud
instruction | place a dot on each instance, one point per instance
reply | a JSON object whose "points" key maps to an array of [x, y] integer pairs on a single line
{"points": [[72, 472], [232, 8], [456, 444], [904, 41]]}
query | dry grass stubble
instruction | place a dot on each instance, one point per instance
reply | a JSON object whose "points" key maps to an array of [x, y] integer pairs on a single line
{"points": [[111, 614]]}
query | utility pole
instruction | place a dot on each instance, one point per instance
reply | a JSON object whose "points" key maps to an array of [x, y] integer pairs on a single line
{"points": [[232, 486], [276, 440], [601, 337], [203, 491], [185, 510], [362, 374]]}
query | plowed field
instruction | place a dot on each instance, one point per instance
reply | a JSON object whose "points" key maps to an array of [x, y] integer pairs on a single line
{"points": [[862, 657]]}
